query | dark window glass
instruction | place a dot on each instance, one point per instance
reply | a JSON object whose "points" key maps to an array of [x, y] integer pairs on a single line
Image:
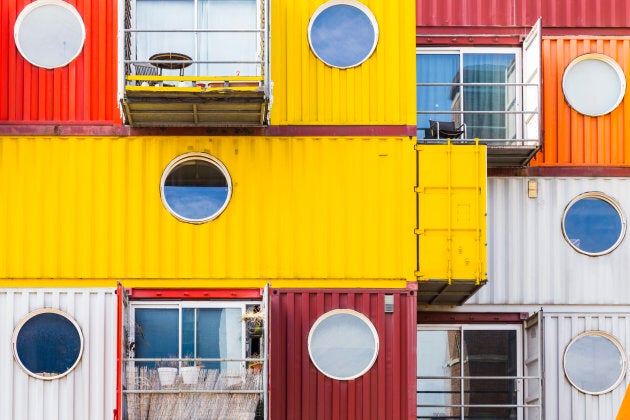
{"points": [[196, 190], [48, 345], [592, 225]]}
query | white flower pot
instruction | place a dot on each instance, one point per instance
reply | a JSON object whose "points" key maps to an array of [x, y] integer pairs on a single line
{"points": [[190, 374], [167, 375]]}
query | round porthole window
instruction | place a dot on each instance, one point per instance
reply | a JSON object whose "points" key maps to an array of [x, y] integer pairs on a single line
{"points": [[593, 84], [593, 224], [47, 343], [343, 344], [196, 187], [49, 33], [343, 33], [594, 362]]}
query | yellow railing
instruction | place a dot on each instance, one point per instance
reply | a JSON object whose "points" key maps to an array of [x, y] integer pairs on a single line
{"points": [[194, 83]]}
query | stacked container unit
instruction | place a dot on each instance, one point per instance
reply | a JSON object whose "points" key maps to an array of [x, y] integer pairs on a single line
{"points": [[320, 206], [560, 293]]}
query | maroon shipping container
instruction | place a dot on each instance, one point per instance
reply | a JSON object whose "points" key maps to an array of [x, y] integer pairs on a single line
{"points": [[298, 390], [457, 22]]}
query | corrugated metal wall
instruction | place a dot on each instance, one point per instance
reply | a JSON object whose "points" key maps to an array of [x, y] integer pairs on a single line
{"points": [[529, 261], [570, 137], [300, 391], [88, 392], [83, 91], [570, 15], [307, 91], [313, 212], [561, 400]]}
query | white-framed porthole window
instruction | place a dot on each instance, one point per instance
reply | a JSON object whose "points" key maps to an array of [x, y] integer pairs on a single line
{"points": [[49, 33], [47, 343], [593, 224], [343, 344], [593, 84], [595, 362], [196, 187], [343, 33]]}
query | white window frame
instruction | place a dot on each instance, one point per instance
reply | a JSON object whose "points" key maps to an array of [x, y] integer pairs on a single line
{"points": [[462, 328], [194, 304], [518, 53]]}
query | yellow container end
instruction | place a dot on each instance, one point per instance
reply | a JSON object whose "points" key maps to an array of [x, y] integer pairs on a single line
{"points": [[451, 189]]}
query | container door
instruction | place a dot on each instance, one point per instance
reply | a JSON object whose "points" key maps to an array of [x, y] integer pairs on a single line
{"points": [[532, 366], [531, 80]]}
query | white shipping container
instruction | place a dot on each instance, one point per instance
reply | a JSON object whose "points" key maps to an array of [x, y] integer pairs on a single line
{"points": [[89, 390]]}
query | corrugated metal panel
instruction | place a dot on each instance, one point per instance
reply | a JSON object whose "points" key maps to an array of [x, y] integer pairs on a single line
{"points": [[569, 15], [83, 91], [89, 391], [529, 260], [561, 400], [337, 212], [300, 391], [307, 91], [570, 137], [451, 221]]}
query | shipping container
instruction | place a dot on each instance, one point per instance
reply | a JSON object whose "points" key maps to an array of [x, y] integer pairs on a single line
{"points": [[441, 22], [84, 90], [573, 138], [84, 391], [451, 187], [535, 258], [299, 388], [333, 211], [307, 91]]}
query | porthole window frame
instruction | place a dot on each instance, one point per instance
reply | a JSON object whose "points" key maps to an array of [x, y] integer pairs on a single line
{"points": [[608, 199], [35, 5], [353, 3], [28, 317], [366, 321], [614, 341], [190, 157], [606, 59]]}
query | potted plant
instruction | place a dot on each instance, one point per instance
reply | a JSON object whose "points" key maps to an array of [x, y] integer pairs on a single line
{"points": [[167, 372], [254, 321], [255, 366], [190, 370]]}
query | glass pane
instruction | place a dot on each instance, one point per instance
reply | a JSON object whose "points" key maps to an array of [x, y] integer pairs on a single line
{"points": [[160, 15], [219, 336], [343, 345], [157, 334], [593, 84], [438, 356], [593, 363], [592, 225], [48, 345], [195, 190], [225, 46], [342, 35], [490, 68], [436, 68], [490, 353]]}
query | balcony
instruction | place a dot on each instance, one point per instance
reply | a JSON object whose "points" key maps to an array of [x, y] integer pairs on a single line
{"points": [[493, 93], [195, 63]]}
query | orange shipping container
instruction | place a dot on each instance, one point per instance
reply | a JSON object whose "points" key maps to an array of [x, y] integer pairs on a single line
{"points": [[571, 138]]}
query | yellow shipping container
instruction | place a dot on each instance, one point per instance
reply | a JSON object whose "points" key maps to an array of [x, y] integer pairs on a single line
{"points": [[377, 92], [304, 212], [451, 190]]}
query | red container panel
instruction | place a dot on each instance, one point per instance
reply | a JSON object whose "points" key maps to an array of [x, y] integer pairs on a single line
{"points": [[515, 17], [83, 92], [299, 391]]}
